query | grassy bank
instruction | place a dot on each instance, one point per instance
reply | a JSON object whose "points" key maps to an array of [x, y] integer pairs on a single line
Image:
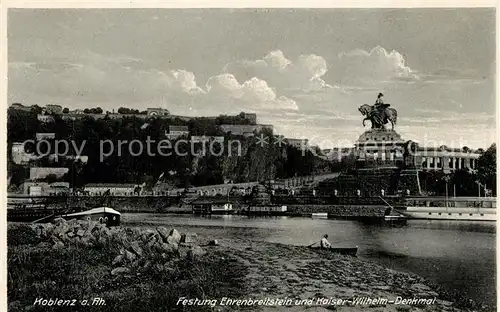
{"points": [[37, 270]]}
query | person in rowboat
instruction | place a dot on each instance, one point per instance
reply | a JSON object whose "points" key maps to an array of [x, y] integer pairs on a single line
{"points": [[325, 243]]}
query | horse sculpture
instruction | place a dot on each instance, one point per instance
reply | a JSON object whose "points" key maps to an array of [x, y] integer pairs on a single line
{"points": [[378, 119]]}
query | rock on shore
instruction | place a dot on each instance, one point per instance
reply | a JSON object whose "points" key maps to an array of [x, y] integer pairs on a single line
{"points": [[138, 249]]}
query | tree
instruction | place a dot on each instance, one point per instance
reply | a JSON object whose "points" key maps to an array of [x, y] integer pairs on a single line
{"points": [[65, 110], [51, 178], [432, 182], [464, 182], [87, 111], [96, 110], [35, 109], [17, 173], [123, 110], [487, 168], [253, 163]]}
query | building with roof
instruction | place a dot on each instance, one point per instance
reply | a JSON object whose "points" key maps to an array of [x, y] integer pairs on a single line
{"points": [[34, 188], [157, 112], [207, 138], [446, 159], [122, 189], [175, 132], [38, 173], [211, 205], [297, 143], [250, 117], [45, 118], [387, 146], [245, 130], [45, 136]]}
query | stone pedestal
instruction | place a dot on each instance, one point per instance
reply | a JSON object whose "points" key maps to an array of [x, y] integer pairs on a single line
{"points": [[378, 148], [381, 167], [408, 180]]}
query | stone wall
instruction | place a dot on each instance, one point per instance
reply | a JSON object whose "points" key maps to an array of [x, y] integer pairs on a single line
{"points": [[341, 210], [408, 180], [130, 203], [326, 200], [371, 182]]}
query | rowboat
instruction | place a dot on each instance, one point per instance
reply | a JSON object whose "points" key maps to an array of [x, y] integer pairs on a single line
{"points": [[348, 251]]}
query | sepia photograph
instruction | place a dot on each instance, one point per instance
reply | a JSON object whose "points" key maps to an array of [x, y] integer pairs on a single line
{"points": [[251, 159]]}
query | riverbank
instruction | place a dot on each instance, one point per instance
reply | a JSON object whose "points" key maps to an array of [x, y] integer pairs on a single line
{"points": [[237, 268]]}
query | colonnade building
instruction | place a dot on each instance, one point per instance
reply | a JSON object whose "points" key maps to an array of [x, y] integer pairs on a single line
{"points": [[447, 159], [385, 148]]}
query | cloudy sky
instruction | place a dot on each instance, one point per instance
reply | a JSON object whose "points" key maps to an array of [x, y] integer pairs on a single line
{"points": [[304, 71]]}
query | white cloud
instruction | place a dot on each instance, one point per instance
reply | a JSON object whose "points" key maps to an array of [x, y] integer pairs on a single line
{"points": [[257, 90], [305, 74], [276, 59], [225, 84], [291, 94], [253, 93], [185, 81], [377, 65]]}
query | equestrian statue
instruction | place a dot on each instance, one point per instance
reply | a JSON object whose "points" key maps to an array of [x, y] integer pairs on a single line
{"points": [[379, 114]]}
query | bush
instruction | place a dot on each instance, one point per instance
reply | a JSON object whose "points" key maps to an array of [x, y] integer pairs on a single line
{"points": [[21, 234], [76, 271]]}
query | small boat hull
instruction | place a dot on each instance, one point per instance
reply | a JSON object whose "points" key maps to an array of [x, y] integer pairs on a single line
{"points": [[349, 251], [106, 215]]}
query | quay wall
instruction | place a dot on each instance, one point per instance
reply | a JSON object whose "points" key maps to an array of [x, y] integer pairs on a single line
{"points": [[165, 204], [372, 211], [131, 203], [159, 204], [332, 200]]}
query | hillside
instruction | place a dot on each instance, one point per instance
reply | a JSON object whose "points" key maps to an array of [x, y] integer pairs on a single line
{"points": [[239, 159]]}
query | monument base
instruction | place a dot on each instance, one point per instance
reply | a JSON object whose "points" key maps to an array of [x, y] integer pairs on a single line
{"points": [[387, 136], [383, 166], [408, 180], [370, 182]]}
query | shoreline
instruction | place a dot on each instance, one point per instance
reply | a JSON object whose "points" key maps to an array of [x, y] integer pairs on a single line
{"points": [[448, 295], [285, 271], [262, 270]]}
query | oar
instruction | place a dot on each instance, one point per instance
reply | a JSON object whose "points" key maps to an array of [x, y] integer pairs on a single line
{"points": [[312, 244], [44, 218]]}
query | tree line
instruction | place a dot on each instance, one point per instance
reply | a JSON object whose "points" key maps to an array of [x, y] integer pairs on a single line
{"points": [[256, 163]]}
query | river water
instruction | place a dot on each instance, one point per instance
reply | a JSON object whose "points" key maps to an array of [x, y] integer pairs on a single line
{"points": [[458, 256]]}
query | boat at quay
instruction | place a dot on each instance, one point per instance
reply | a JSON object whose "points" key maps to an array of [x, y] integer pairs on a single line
{"points": [[451, 208]]}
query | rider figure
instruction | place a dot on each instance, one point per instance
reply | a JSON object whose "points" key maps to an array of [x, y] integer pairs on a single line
{"points": [[380, 99], [380, 107]]}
